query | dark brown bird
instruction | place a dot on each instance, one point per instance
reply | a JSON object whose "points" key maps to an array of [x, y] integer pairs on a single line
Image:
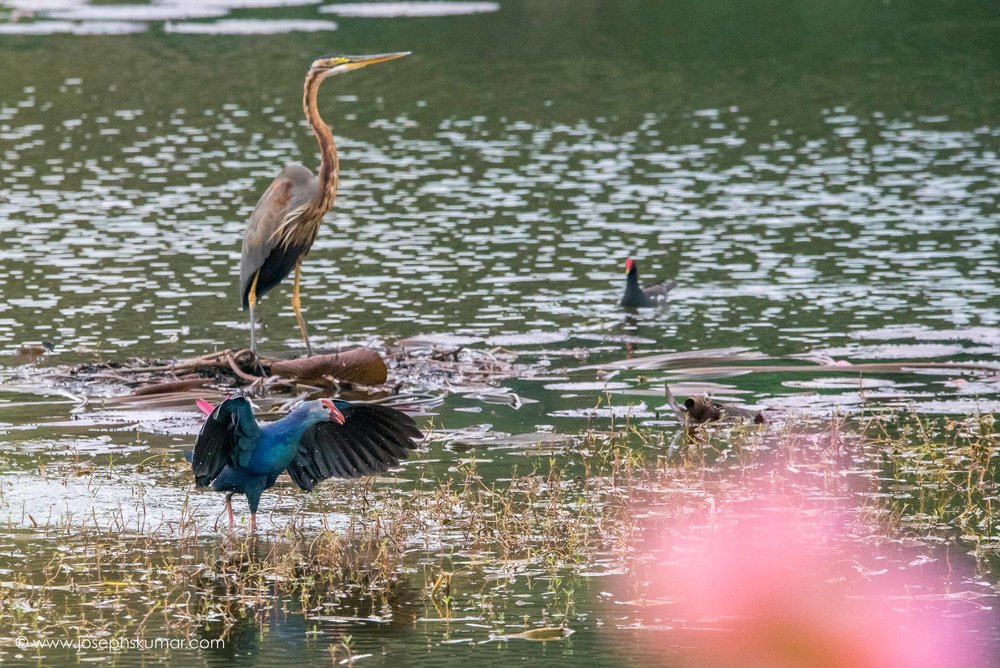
{"points": [[639, 297], [34, 351], [702, 409], [285, 223]]}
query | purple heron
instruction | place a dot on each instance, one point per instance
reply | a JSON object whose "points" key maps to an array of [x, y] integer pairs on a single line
{"points": [[286, 220]]}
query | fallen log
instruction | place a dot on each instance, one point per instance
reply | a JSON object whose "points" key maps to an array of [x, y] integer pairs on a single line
{"points": [[361, 366], [170, 387], [230, 369]]}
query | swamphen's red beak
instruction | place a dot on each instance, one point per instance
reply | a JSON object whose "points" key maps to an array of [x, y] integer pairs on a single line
{"points": [[335, 413]]}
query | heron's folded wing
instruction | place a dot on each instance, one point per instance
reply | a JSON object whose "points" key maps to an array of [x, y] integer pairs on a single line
{"points": [[228, 436], [293, 188], [373, 439]]}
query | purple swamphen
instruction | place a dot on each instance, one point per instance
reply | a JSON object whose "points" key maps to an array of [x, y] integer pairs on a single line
{"points": [[325, 438]]}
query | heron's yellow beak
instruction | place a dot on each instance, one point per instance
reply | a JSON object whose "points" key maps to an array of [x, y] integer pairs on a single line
{"points": [[357, 62]]}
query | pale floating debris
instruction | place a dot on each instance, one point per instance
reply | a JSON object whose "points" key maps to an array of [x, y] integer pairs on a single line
{"points": [[354, 657], [243, 4], [71, 28], [429, 340], [839, 383], [531, 338], [989, 336], [493, 441], [500, 397], [648, 602], [639, 410], [581, 386], [137, 13], [682, 359], [615, 338], [386, 480], [250, 27], [541, 634], [946, 407], [902, 351], [685, 388], [621, 570], [411, 9], [41, 5], [344, 619]]}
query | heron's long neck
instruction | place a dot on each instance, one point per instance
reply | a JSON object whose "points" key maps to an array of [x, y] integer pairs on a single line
{"points": [[329, 167]]}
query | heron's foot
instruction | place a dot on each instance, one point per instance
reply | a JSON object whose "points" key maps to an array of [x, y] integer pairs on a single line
{"points": [[257, 368], [251, 363]]}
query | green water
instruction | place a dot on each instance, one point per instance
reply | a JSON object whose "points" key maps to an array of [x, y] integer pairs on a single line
{"points": [[818, 177]]}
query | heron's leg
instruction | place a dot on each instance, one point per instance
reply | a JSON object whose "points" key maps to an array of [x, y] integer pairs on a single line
{"points": [[297, 307], [252, 298], [229, 507]]}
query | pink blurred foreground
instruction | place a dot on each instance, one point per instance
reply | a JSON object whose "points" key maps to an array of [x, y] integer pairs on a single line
{"points": [[782, 588]]}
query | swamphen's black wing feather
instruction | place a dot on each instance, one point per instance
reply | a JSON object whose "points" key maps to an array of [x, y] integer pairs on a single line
{"points": [[373, 439], [228, 436]]}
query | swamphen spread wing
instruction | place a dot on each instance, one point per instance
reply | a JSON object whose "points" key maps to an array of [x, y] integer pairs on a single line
{"points": [[227, 438], [373, 439]]}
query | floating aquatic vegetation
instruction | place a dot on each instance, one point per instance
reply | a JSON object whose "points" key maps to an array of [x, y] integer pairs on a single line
{"points": [[433, 367], [939, 475]]}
